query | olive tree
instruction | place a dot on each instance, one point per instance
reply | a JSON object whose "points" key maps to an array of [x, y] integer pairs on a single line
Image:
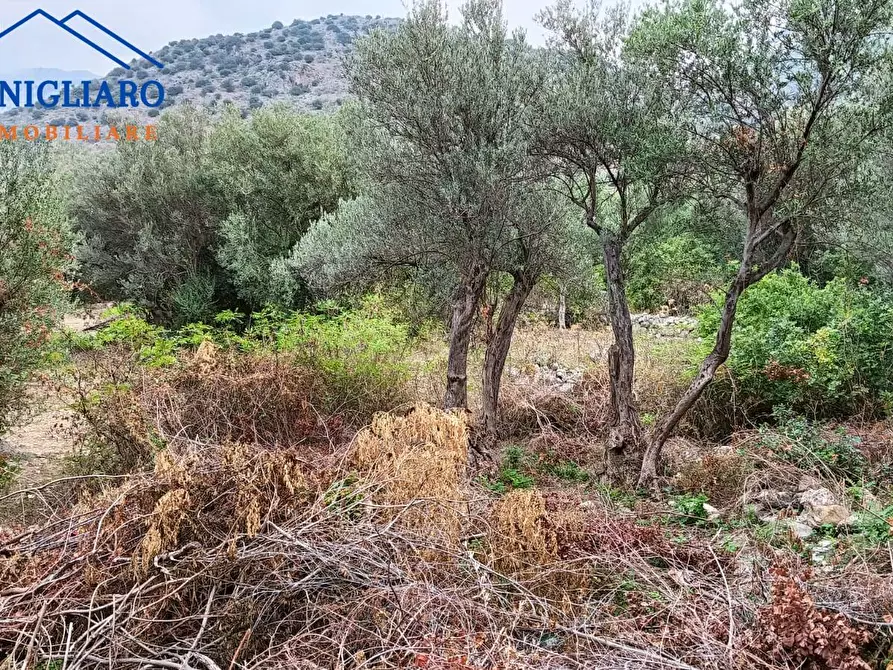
{"points": [[607, 128], [443, 134], [148, 214], [784, 100], [276, 172]]}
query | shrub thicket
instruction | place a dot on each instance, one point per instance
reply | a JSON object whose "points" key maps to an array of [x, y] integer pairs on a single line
{"points": [[35, 254], [204, 218], [820, 350]]}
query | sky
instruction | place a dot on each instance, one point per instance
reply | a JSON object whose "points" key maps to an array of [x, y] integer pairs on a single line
{"points": [[151, 24]]}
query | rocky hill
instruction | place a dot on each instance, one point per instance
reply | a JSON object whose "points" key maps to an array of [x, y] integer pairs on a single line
{"points": [[300, 63]]}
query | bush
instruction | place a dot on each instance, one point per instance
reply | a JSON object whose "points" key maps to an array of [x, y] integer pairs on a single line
{"points": [[678, 268], [361, 354], [281, 171], [148, 214], [809, 445], [821, 351], [35, 246]]}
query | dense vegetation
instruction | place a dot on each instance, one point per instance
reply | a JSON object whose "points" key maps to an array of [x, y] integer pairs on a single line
{"points": [[524, 357]]}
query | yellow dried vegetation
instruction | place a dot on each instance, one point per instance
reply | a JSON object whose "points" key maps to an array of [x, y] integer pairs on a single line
{"points": [[530, 541], [234, 488], [418, 463], [521, 540]]}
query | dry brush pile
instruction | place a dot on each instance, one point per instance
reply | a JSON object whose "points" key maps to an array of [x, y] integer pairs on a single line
{"points": [[380, 551]]}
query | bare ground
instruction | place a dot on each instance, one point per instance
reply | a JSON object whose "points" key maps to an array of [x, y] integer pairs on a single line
{"points": [[43, 438]]}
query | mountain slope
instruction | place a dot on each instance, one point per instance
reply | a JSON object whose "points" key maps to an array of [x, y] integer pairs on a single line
{"points": [[299, 63]]}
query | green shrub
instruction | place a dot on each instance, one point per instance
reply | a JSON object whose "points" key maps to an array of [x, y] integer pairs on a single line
{"points": [[875, 527], [360, 353], [513, 473], [193, 300], [35, 245], [690, 508], [820, 351], [808, 444], [678, 268], [9, 470]]}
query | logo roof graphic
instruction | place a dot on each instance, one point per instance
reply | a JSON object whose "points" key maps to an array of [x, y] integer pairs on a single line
{"points": [[63, 23]]}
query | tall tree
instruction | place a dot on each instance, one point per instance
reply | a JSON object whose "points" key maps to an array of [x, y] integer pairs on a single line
{"points": [[784, 100], [607, 128], [277, 171], [445, 109]]}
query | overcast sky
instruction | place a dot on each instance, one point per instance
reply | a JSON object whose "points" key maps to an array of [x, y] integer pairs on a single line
{"points": [[150, 24]]}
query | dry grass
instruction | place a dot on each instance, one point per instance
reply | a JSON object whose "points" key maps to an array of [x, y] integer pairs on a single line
{"points": [[265, 537], [233, 557], [418, 461]]}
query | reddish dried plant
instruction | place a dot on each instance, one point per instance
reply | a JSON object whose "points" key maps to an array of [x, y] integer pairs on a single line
{"points": [[793, 629]]}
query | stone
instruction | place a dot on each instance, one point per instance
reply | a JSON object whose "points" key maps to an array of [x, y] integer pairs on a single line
{"points": [[822, 551], [799, 529], [822, 508], [772, 499], [817, 496], [713, 514], [808, 482], [827, 515]]}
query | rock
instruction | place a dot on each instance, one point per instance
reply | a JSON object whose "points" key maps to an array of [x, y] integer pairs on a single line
{"points": [[565, 388], [808, 482], [822, 551], [827, 515], [713, 514], [799, 529], [816, 497], [821, 508], [772, 499]]}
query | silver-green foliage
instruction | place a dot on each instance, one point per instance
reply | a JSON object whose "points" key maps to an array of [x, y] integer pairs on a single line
{"points": [[35, 246]]}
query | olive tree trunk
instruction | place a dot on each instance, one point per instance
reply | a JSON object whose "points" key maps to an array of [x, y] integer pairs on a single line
{"points": [[625, 427], [498, 350], [747, 275], [465, 305], [562, 308]]}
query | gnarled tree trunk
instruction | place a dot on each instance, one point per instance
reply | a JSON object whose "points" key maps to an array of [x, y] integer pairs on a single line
{"points": [[706, 373], [747, 275], [562, 308], [498, 349], [625, 427], [465, 305]]}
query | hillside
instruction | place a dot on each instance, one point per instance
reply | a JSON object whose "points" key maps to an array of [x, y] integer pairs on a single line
{"points": [[300, 63]]}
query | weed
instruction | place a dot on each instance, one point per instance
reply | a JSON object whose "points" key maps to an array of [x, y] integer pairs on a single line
{"points": [[9, 470], [690, 509], [568, 471], [343, 496], [508, 479], [875, 528], [805, 443]]}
